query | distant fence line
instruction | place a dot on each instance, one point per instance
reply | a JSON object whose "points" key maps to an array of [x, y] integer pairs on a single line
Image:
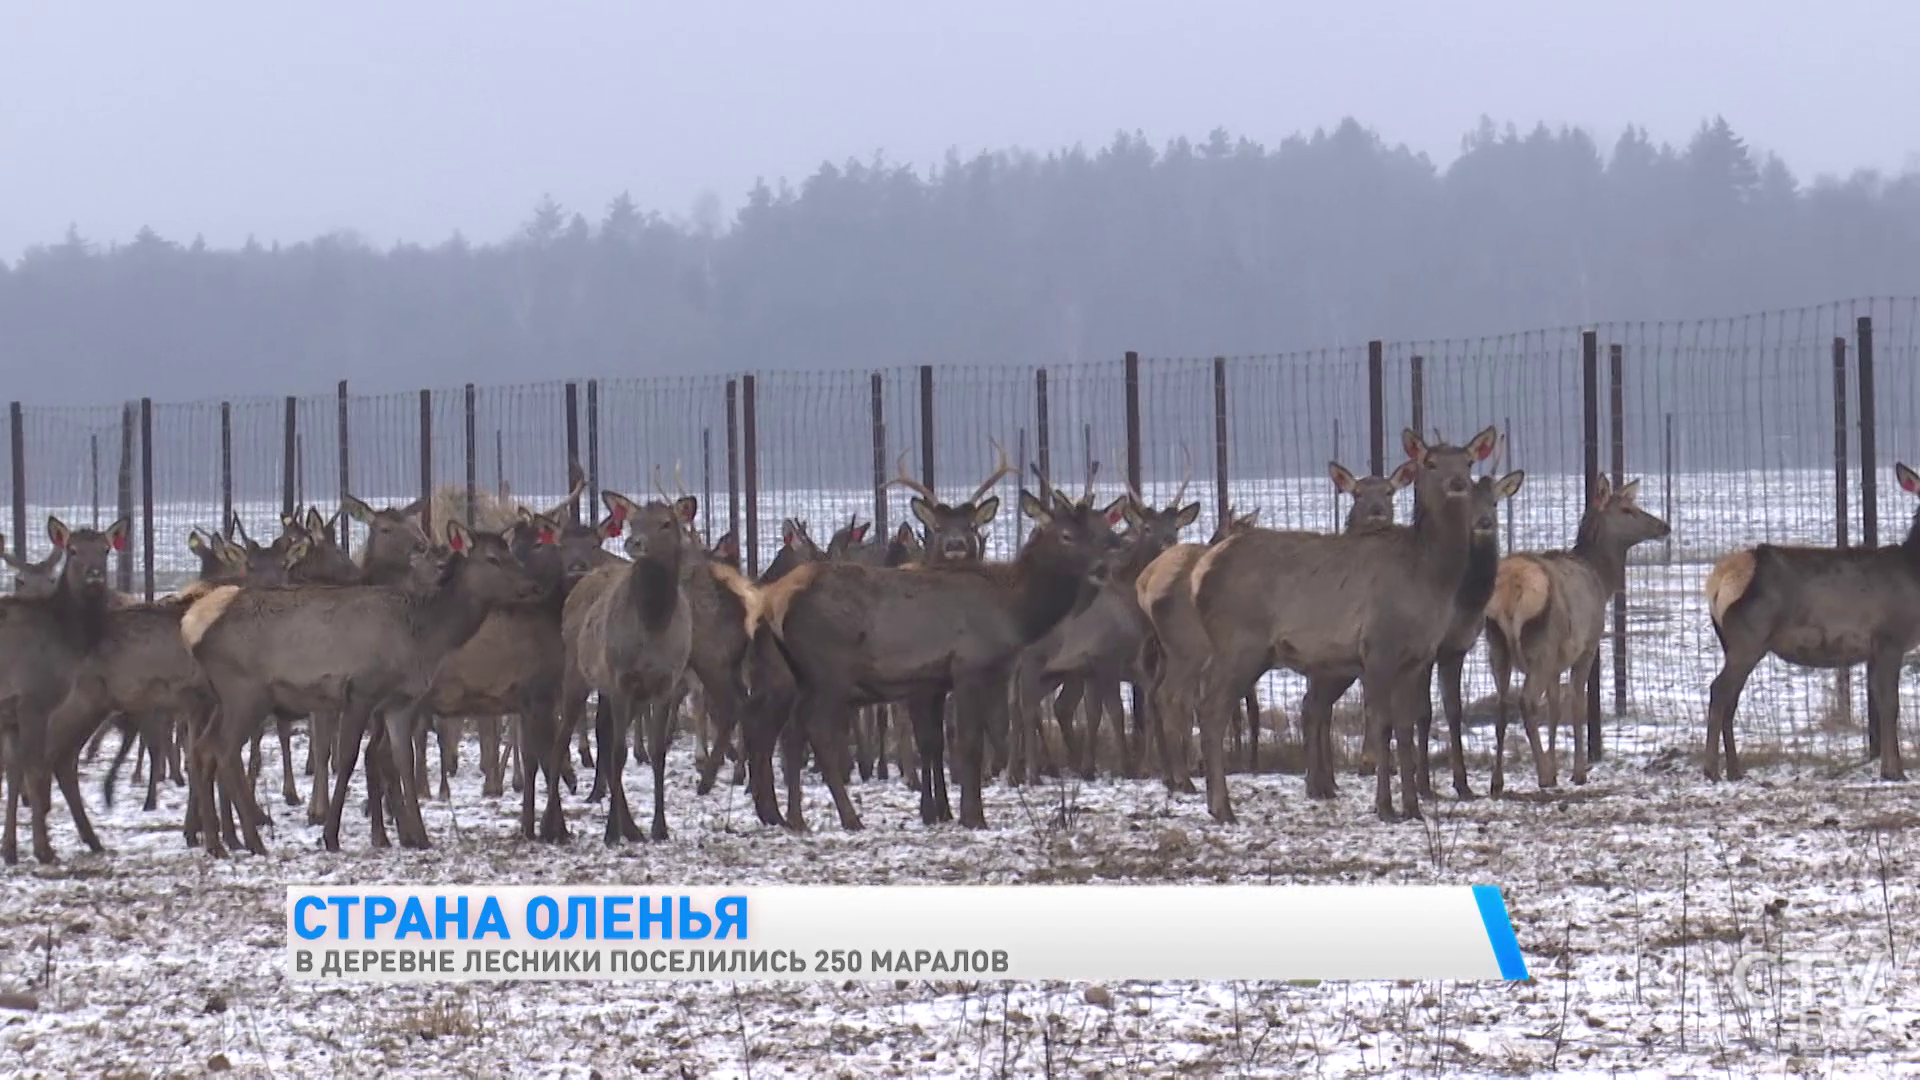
{"points": [[1780, 426]]}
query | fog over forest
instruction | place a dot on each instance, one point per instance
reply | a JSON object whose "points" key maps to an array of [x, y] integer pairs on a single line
{"points": [[1211, 244]]}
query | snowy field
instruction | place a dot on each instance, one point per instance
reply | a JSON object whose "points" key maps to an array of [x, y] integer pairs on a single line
{"points": [[1672, 927], [1641, 901]]}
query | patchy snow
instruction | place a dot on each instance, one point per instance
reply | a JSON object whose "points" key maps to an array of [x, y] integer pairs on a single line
{"points": [[1636, 900]]}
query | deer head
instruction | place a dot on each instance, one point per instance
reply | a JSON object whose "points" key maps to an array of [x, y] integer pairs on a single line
{"points": [[955, 532], [86, 552], [33, 579], [1372, 495]]}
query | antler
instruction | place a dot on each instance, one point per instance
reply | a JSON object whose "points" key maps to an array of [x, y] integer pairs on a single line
{"points": [[1186, 477], [907, 481], [1093, 470], [577, 478], [1001, 470], [1046, 485], [659, 488]]}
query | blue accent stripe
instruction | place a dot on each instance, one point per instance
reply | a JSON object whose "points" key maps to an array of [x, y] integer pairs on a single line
{"points": [[1506, 948]]}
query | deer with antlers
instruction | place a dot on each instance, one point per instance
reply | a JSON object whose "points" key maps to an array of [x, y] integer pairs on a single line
{"points": [[1100, 647]]}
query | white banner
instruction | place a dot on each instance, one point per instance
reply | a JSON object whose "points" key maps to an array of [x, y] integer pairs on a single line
{"points": [[1067, 932]]}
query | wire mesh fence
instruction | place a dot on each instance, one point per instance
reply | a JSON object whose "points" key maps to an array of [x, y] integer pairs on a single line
{"points": [[1779, 427]]}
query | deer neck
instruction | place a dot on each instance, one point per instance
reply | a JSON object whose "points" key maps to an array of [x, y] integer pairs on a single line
{"points": [[451, 615], [1601, 550], [1483, 562], [1444, 537], [1911, 545], [82, 618], [1046, 592], [654, 588]]}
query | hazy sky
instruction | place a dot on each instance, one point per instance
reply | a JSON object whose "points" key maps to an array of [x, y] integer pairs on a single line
{"points": [[410, 120]]}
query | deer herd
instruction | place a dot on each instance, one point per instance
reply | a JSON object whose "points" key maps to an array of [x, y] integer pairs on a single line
{"points": [[517, 620]]}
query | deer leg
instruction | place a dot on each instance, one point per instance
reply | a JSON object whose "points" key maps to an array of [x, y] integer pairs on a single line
{"points": [[510, 749], [448, 731], [923, 713], [159, 746], [863, 742], [1451, 665], [1538, 693], [240, 787], [283, 729], [113, 772], [1253, 732], [1883, 685], [831, 745], [972, 698], [1500, 664], [1229, 673], [1577, 690], [659, 739], [1423, 732], [349, 729], [405, 731], [542, 752], [882, 715], [1316, 732], [612, 720], [1115, 706], [323, 728], [1075, 743]]}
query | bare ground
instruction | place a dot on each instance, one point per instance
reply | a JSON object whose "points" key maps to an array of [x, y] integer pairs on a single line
{"points": [[1638, 899]]}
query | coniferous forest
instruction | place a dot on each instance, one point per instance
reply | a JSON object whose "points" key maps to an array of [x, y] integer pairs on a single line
{"points": [[1220, 244]]}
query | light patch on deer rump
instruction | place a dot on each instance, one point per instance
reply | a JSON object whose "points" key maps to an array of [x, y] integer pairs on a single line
{"points": [[772, 602], [1728, 581], [206, 611], [1522, 589], [733, 581], [1164, 573]]}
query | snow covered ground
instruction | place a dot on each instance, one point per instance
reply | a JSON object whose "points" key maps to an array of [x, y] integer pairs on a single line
{"points": [[1640, 901]]}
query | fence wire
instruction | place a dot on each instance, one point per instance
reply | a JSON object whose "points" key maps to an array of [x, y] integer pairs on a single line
{"points": [[1729, 424]]}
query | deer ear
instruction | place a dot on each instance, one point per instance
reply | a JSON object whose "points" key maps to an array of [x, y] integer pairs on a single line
{"points": [[1188, 515], [619, 507], [459, 540], [1509, 485], [984, 512], [315, 523], [1481, 448], [1411, 442], [1909, 480], [1629, 492], [1031, 506], [923, 512], [1404, 475], [117, 534], [860, 534], [195, 542], [296, 551], [687, 507], [1602, 490], [229, 553], [1129, 510], [1343, 481], [612, 526], [290, 522], [57, 532], [1117, 510], [357, 510]]}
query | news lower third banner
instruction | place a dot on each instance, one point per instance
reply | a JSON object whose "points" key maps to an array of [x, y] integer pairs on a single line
{"points": [[1064, 932]]}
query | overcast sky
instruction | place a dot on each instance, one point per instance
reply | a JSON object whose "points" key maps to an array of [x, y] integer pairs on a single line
{"points": [[407, 121]]}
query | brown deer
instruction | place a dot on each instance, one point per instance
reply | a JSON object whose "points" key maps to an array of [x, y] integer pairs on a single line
{"points": [[42, 640], [629, 633], [954, 535], [719, 597], [355, 650], [1164, 593], [1099, 647], [1817, 607], [1546, 616], [1372, 495], [1469, 613], [513, 665], [843, 635], [1372, 603]]}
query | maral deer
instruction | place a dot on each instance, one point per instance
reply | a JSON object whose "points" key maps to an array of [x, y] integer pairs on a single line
{"points": [[513, 665], [355, 650], [1817, 608], [41, 641], [953, 535], [628, 633], [1099, 647], [1373, 603], [1164, 593], [1546, 616], [831, 636], [1469, 613]]}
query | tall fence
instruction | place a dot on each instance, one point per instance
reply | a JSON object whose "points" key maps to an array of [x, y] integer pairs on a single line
{"points": [[1778, 427]]}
